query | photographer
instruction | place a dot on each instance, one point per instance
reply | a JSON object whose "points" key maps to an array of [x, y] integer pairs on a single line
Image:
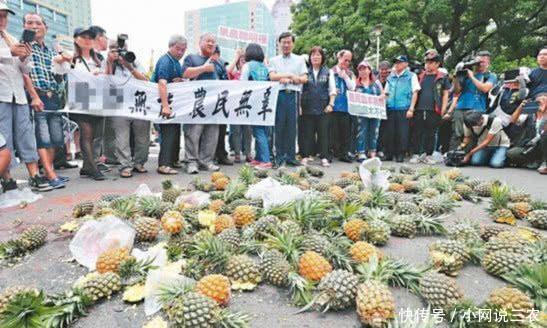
{"points": [[471, 86], [488, 137], [120, 62]]}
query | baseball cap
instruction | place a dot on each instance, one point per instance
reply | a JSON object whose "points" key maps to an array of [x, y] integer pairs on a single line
{"points": [[385, 64], [432, 55], [4, 6], [484, 53], [84, 30], [97, 29], [401, 58], [364, 63]]}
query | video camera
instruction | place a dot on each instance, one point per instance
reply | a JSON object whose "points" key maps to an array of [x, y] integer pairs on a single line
{"points": [[462, 67], [128, 56], [416, 67]]}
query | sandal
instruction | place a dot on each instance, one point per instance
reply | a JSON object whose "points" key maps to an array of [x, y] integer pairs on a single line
{"points": [[139, 169], [167, 170], [126, 173]]}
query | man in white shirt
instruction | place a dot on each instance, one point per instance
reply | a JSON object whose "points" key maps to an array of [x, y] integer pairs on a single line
{"points": [[15, 123], [291, 72], [491, 140]]}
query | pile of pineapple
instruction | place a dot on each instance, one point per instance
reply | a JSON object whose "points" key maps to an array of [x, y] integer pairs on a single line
{"points": [[324, 250]]}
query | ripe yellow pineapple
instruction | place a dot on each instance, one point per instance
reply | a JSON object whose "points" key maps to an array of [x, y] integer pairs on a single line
{"points": [[215, 205], [244, 215], [215, 286], [313, 266], [375, 304], [337, 193], [217, 175], [354, 229], [396, 187], [453, 174], [172, 222], [513, 301], [362, 251], [223, 222], [345, 174], [109, 261], [221, 183], [520, 209], [504, 215]]}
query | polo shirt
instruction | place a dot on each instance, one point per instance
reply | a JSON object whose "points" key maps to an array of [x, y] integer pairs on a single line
{"points": [[292, 64]]}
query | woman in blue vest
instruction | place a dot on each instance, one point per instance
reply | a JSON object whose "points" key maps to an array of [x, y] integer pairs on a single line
{"points": [[368, 129], [255, 70], [317, 101]]}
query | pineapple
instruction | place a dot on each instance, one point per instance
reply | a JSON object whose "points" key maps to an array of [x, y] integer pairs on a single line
{"points": [[396, 187], [403, 226], [313, 266], [520, 209], [407, 208], [33, 237], [109, 261], [511, 300], [483, 189], [448, 256], [317, 243], [231, 236], [97, 286], [377, 232], [491, 230], [216, 205], [337, 194], [437, 205], [172, 222], [498, 205], [222, 222], [538, 219], [439, 291], [221, 183], [266, 225], [410, 185], [11, 293], [362, 252], [243, 272], [314, 171], [429, 192], [147, 229], [215, 286], [275, 269], [151, 206], [465, 231], [169, 193], [375, 304], [465, 191], [504, 215], [337, 291], [215, 176], [321, 187], [82, 209], [344, 182], [244, 215], [517, 196], [501, 262], [354, 229]]}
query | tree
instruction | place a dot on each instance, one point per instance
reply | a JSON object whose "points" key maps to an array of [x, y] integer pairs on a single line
{"points": [[455, 28]]}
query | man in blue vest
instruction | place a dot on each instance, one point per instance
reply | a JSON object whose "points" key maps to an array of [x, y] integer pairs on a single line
{"points": [[401, 89]]}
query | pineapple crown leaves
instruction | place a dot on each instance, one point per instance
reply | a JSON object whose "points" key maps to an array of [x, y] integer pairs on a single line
{"points": [[134, 271], [336, 252], [168, 292], [427, 225], [228, 319], [345, 210], [72, 305], [428, 171], [234, 190], [532, 280], [28, 310], [167, 184], [287, 243], [500, 196], [300, 289], [538, 204], [246, 175], [212, 252]]}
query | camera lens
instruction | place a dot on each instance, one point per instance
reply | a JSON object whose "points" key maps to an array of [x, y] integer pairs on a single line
{"points": [[129, 57]]}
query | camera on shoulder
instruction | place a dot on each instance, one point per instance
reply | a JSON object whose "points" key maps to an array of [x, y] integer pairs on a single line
{"points": [[128, 56]]}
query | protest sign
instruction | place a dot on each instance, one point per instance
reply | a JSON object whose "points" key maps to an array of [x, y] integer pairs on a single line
{"points": [[366, 105]]}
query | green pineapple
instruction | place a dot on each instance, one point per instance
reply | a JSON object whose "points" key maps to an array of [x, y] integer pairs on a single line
{"points": [[152, 206], [500, 263], [314, 171], [377, 232], [266, 225], [437, 205], [275, 268], [243, 272], [403, 226], [231, 236], [538, 219], [407, 208], [465, 231], [82, 209], [97, 286], [317, 243], [336, 291], [483, 189], [448, 256], [170, 192], [34, 237], [439, 291], [491, 230]]}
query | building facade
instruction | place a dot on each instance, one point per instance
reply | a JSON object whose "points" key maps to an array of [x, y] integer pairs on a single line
{"points": [[281, 12], [61, 17], [252, 15]]}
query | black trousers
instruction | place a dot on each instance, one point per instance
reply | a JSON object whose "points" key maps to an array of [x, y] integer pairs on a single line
{"points": [[315, 135], [169, 145], [396, 133], [425, 124], [444, 134], [340, 133], [221, 152]]}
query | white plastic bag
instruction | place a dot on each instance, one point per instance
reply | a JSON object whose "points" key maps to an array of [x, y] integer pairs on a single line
{"points": [[156, 279], [16, 197], [197, 198], [371, 175], [95, 237], [143, 190], [258, 190], [273, 193], [158, 253]]}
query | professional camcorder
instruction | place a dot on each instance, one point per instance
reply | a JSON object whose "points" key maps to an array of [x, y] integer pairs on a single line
{"points": [[128, 56], [462, 67]]}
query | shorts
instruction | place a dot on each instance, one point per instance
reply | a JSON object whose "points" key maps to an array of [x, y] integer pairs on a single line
{"points": [[2, 141], [49, 125], [17, 128]]}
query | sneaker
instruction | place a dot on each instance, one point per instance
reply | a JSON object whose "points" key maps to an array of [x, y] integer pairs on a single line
{"points": [[304, 161], [103, 167], [38, 183], [237, 159], [543, 168], [429, 160], [361, 157], [225, 161], [380, 154], [56, 183], [415, 159], [209, 167], [63, 179], [264, 165], [8, 185], [192, 168], [325, 162]]}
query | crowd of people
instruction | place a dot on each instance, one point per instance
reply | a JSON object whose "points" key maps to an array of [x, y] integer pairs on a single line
{"points": [[431, 115]]}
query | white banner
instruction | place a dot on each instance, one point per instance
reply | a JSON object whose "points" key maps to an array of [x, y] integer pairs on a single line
{"points": [[200, 102], [365, 105]]}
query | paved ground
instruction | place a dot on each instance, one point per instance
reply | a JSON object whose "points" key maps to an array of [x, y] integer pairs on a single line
{"points": [[49, 267]]}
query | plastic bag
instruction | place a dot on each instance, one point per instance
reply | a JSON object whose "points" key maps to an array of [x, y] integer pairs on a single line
{"points": [[197, 198], [372, 175], [258, 190], [143, 190], [158, 253], [273, 193], [95, 237], [16, 197], [164, 276]]}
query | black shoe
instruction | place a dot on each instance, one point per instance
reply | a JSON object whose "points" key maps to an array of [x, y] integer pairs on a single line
{"points": [[399, 158], [97, 175], [38, 183], [103, 167], [276, 165], [293, 163], [9, 185], [225, 161], [346, 159], [65, 165], [387, 157]]}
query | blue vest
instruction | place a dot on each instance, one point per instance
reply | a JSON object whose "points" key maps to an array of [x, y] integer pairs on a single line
{"points": [[315, 93], [341, 100], [400, 91], [258, 71]]}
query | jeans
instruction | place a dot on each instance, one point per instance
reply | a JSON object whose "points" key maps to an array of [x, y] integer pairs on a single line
{"points": [[169, 144], [396, 133], [423, 135], [240, 139], [262, 148], [49, 125], [368, 130], [315, 131], [494, 156], [285, 126], [17, 128], [200, 142], [122, 148], [340, 133]]}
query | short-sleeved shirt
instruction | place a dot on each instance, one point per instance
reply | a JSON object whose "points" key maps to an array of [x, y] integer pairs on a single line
{"points": [[473, 98], [500, 137], [292, 64], [195, 60], [426, 96], [167, 68], [42, 68], [537, 85]]}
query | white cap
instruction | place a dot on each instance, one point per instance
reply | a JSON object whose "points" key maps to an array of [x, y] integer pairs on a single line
{"points": [[4, 6]]}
